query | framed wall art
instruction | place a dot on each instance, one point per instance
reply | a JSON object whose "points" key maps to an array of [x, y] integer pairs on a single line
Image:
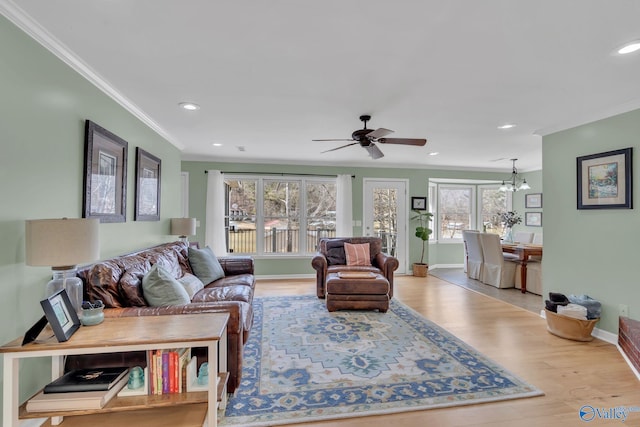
{"points": [[147, 186], [105, 175], [533, 219], [604, 180], [533, 200], [419, 203], [61, 315]]}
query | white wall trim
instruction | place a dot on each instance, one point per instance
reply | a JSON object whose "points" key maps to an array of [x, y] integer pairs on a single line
{"points": [[633, 368], [32, 28], [432, 266], [285, 276]]}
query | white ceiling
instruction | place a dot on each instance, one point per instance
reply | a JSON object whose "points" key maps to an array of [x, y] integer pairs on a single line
{"points": [[270, 76]]}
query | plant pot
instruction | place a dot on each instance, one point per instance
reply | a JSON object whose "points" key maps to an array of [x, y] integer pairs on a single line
{"points": [[420, 270]]}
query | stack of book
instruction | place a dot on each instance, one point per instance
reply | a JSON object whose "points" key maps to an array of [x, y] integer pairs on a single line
{"points": [[167, 370], [80, 389]]}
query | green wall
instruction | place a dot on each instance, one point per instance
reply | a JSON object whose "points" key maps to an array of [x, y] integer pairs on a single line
{"points": [[43, 107], [591, 252], [447, 253], [534, 179]]}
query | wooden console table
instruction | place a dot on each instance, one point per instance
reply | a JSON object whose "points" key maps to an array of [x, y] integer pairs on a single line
{"points": [[123, 335]]}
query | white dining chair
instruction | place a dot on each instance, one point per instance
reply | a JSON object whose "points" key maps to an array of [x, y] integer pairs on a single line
{"points": [[537, 239], [523, 237], [534, 277], [474, 257], [498, 268]]}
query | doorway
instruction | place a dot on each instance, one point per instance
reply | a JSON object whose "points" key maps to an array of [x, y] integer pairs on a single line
{"points": [[385, 216]]}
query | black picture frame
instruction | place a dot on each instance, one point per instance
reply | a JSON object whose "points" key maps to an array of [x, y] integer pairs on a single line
{"points": [[533, 219], [105, 175], [605, 180], [533, 200], [61, 315], [419, 203], [148, 168]]}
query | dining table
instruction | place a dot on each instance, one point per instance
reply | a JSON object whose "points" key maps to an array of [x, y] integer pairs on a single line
{"points": [[523, 251]]}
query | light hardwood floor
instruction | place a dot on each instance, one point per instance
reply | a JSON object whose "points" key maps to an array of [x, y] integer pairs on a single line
{"points": [[571, 374]]}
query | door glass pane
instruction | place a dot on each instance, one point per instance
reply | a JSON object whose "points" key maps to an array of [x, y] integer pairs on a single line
{"points": [[385, 218]]}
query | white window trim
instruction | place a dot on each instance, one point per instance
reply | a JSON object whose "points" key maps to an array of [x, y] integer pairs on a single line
{"points": [[476, 207], [260, 253]]}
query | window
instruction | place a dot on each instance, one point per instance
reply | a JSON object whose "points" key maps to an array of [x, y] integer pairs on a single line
{"points": [[455, 210], [280, 208], [462, 206]]}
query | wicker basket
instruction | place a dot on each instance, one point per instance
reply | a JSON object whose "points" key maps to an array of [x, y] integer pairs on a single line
{"points": [[569, 327]]}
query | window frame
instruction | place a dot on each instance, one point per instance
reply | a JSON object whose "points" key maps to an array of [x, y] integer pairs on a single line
{"points": [[475, 202], [303, 220]]}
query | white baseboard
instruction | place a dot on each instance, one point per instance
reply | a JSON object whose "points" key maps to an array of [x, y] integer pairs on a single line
{"points": [[286, 276], [633, 368], [445, 266]]}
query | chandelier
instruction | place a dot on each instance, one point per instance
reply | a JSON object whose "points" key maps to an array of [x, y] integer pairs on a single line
{"points": [[515, 183]]}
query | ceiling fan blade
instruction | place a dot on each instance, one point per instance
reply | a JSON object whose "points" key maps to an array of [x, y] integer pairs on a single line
{"points": [[374, 151], [379, 133], [404, 141], [350, 139], [334, 149]]}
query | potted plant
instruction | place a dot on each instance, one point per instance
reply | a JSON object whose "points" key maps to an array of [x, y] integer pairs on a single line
{"points": [[422, 232]]}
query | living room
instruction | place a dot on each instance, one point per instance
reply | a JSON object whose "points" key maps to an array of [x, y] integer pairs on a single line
{"points": [[42, 126]]}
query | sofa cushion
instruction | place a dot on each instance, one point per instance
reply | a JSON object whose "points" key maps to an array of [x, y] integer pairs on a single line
{"points": [[357, 254], [101, 282], [191, 284], [224, 293], [161, 289], [205, 265], [131, 284], [335, 252]]}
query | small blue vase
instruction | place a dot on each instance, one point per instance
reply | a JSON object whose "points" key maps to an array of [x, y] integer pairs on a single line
{"points": [[92, 316]]}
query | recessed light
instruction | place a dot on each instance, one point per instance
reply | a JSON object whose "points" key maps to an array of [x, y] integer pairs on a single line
{"points": [[434, 153], [189, 106], [507, 126], [217, 144], [629, 47]]}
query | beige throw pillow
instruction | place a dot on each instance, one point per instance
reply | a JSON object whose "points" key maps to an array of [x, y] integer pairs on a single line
{"points": [[191, 284], [357, 254]]}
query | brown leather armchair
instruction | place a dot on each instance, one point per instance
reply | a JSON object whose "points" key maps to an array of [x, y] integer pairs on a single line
{"points": [[330, 258]]}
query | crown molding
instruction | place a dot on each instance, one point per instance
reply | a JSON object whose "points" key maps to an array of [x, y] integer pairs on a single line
{"points": [[37, 32], [626, 107]]}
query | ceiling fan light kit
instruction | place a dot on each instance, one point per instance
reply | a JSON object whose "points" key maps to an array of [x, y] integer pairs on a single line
{"points": [[368, 137]]}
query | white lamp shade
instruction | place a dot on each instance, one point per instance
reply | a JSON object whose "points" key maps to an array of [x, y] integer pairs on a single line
{"points": [[183, 226], [62, 242]]}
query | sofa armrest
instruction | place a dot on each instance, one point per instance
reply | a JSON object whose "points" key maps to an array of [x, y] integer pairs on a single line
{"points": [[234, 325], [319, 263], [235, 265], [387, 264]]}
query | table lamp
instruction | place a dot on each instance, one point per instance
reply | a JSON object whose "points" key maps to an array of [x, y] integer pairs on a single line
{"points": [[62, 244], [183, 227]]}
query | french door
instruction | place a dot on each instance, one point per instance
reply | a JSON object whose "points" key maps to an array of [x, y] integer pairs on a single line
{"points": [[385, 216]]}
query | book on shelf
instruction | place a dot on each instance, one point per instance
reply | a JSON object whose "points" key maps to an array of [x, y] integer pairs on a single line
{"points": [[74, 400], [92, 379], [167, 370]]}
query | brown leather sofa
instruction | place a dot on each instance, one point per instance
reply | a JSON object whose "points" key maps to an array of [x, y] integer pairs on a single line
{"points": [[330, 258], [118, 283]]}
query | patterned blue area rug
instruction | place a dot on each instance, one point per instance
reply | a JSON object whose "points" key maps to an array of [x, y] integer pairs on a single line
{"points": [[303, 364]]}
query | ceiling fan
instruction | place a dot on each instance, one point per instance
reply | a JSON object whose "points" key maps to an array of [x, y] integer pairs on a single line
{"points": [[366, 138]]}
